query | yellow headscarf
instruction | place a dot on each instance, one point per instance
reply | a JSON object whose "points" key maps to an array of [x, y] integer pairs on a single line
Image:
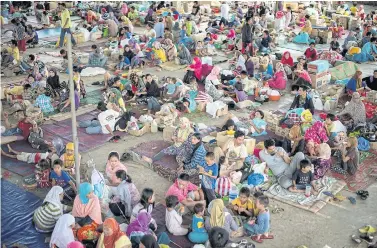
{"points": [[70, 146], [217, 213], [183, 133], [69, 160]]}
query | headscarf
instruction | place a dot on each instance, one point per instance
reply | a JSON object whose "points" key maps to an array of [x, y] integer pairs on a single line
{"points": [[214, 73], [183, 133], [103, 11], [110, 172], [124, 9], [356, 109], [317, 133], [280, 68], [286, 61], [197, 67], [359, 80], [53, 81], [63, 233], [217, 215], [92, 206], [85, 189], [53, 197], [176, 27], [184, 53], [117, 96], [231, 34], [149, 241], [140, 224], [109, 241], [75, 244], [324, 151]]}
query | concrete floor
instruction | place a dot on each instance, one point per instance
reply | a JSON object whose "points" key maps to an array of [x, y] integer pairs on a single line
{"points": [[293, 227]]}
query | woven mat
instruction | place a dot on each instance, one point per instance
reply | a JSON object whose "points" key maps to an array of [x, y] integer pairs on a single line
{"points": [[313, 203], [219, 59], [361, 180], [171, 66]]}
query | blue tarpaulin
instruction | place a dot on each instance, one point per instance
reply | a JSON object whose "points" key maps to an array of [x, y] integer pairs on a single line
{"points": [[17, 208]]}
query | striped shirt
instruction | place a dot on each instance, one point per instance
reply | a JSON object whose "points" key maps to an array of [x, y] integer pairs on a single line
{"points": [[19, 32], [46, 216]]}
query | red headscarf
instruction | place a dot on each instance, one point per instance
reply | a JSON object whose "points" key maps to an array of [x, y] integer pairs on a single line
{"points": [[231, 34], [109, 241], [197, 67], [103, 11], [286, 61]]}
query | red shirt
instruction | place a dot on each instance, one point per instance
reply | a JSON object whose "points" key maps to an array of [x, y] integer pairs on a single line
{"points": [[311, 55], [181, 194], [25, 128]]}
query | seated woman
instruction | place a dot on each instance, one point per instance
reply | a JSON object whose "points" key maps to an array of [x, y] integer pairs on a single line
{"points": [[63, 231], [112, 166], [356, 83], [32, 36], [322, 162], [303, 100], [96, 58], [298, 145], [184, 55], [279, 80], [171, 50], [159, 54], [304, 36], [126, 195], [193, 156], [220, 217], [371, 81], [195, 68], [128, 55], [368, 52], [149, 35], [75, 60], [258, 125], [53, 83], [136, 86], [287, 62], [46, 216], [115, 97], [355, 109], [316, 133], [300, 72], [67, 102], [311, 53], [349, 158], [112, 236]]}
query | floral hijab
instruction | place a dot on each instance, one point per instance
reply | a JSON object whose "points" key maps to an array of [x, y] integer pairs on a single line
{"points": [[356, 109]]}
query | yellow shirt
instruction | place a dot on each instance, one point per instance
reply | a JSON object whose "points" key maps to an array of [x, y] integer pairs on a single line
{"points": [[353, 10], [66, 16], [248, 205], [120, 243], [15, 53]]}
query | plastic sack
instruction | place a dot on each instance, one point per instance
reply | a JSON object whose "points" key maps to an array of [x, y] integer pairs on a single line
{"points": [[236, 177], [363, 144], [207, 60], [318, 105], [255, 179], [327, 106], [59, 145]]}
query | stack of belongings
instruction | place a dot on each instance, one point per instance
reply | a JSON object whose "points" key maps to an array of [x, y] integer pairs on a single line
{"points": [[341, 19], [273, 120], [371, 96], [319, 73], [330, 95], [325, 36]]}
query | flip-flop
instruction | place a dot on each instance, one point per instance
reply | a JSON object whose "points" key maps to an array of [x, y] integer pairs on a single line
{"points": [[356, 239], [365, 195], [352, 200], [339, 197], [328, 193], [255, 238], [270, 236], [367, 229]]}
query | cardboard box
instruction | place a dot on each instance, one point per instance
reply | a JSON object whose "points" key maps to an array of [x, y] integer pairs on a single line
{"points": [[373, 145], [314, 33], [319, 80], [222, 138], [325, 34], [318, 66]]}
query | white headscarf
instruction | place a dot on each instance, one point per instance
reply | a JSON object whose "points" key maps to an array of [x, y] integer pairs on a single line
{"points": [[63, 233], [53, 197]]}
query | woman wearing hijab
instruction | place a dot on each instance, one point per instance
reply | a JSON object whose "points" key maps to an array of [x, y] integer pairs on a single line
{"points": [[196, 67], [279, 80], [355, 83], [63, 233], [184, 55], [287, 62], [139, 227], [53, 82], [115, 97], [112, 166], [323, 161], [171, 50], [190, 159], [176, 32], [213, 77], [112, 236], [356, 109], [87, 209], [96, 58], [75, 244], [113, 27], [220, 217], [46, 216]]}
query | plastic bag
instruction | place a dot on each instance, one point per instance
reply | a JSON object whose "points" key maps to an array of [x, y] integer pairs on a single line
{"points": [[59, 145], [327, 106]]}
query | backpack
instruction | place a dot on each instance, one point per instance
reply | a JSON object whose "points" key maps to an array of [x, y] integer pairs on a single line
{"points": [[222, 186], [363, 144]]}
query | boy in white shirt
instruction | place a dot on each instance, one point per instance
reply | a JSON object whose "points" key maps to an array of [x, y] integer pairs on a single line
{"points": [[173, 219]]}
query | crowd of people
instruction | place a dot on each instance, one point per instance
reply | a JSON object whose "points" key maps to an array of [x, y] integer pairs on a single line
{"points": [[314, 145]]}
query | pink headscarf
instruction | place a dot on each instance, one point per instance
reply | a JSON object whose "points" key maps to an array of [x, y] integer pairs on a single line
{"points": [[124, 9], [75, 244], [231, 34], [197, 67], [91, 209], [214, 73]]}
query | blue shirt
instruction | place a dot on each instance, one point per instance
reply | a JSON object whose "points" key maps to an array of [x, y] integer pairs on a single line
{"points": [[198, 224], [351, 85], [196, 158], [159, 28], [62, 180], [261, 226], [209, 182], [171, 89]]}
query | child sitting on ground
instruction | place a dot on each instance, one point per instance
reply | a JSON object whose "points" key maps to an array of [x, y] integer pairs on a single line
{"points": [[199, 234], [302, 178], [36, 138], [243, 205], [68, 159], [121, 65], [329, 126], [173, 219], [200, 49], [238, 89], [42, 174], [258, 228], [60, 177], [209, 171]]}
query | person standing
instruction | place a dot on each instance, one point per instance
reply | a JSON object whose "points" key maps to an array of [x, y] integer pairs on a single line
{"points": [[247, 36], [66, 25], [20, 35], [225, 12]]}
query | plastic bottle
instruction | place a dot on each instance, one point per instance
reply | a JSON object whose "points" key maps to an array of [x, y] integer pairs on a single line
{"points": [[308, 190], [154, 128], [233, 193]]}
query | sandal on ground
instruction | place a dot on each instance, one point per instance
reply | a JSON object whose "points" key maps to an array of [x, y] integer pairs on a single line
{"points": [[367, 229], [352, 200], [270, 236], [365, 195], [368, 238], [339, 197], [255, 238], [328, 193], [356, 239]]}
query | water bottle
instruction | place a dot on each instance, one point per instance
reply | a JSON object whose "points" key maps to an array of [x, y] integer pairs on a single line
{"points": [[308, 190], [233, 193]]}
